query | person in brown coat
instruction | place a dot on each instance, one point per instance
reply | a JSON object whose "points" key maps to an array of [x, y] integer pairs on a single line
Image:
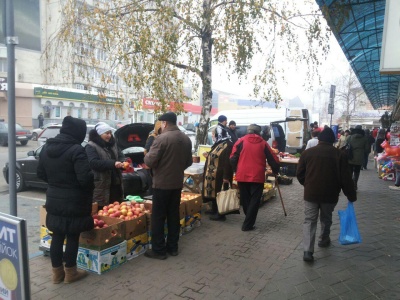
{"points": [[323, 171], [169, 156]]}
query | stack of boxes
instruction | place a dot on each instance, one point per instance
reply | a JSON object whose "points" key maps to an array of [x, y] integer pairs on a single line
{"points": [[104, 249]]}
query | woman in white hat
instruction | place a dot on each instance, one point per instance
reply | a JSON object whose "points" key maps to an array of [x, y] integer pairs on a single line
{"points": [[106, 162]]}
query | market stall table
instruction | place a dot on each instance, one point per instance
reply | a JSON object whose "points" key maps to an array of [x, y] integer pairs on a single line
{"points": [[193, 178], [289, 165]]}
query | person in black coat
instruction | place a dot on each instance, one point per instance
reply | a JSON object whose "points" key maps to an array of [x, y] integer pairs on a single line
{"points": [[63, 164], [106, 162]]}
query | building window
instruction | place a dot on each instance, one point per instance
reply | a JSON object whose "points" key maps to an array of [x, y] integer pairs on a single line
{"points": [[90, 113], [107, 114], [115, 115], [47, 110], [3, 65], [57, 112], [98, 113]]}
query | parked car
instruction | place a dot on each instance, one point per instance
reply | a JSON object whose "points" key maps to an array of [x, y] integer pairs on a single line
{"points": [[189, 127], [47, 133], [36, 132], [131, 139], [190, 134], [22, 135]]}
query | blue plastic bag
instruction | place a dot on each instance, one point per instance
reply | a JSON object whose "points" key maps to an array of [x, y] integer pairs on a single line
{"points": [[349, 233]]}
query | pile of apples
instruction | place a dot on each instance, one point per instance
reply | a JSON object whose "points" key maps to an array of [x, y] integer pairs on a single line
{"points": [[186, 197], [98, 223], [128, 210]]}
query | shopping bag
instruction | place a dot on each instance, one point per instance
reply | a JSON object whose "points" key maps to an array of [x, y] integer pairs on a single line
{"points": [[228, 201], [349, 233]]}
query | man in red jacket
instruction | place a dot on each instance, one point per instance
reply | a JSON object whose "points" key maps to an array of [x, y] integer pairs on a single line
{"points": [[323, 171], [248, 159]]}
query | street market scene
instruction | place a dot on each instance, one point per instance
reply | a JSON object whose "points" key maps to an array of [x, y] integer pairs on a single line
{"points": [[199, 149]]}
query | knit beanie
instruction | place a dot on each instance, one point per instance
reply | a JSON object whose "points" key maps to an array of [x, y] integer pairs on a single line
{"points": [[102, 127], [254, 128], [327, 135], [222, 118], [74, 127]]}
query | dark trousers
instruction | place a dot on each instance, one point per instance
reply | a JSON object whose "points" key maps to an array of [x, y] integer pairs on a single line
{"points": [[165, 206], [355, 172], [366, 155], [71, 249], [250, 196]]}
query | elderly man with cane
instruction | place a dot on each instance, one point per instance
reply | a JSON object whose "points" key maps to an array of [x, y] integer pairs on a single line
{"points": [[248, 158]]}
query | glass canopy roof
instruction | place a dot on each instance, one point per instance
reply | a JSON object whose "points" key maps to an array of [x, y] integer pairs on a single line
{"points": [[358, 27]]}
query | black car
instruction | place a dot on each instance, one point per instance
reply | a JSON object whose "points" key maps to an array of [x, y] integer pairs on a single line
{"points": [[131, 140], [22, 135]]}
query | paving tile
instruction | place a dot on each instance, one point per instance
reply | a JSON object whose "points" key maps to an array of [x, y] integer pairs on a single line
{"points": [[219, 261]]}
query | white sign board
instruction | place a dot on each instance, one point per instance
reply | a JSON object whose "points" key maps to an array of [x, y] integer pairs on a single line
{"points": [[390, 53]]}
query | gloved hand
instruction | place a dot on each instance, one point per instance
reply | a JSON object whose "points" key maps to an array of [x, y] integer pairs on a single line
{"points": [[354, 200]]}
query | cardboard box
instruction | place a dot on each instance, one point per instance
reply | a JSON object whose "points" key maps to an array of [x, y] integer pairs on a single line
{"points": [[137, 246], [43, 213], [46, 237], [148, 205], [99, 239], [135, 227], [192, 206], [102, 261]]}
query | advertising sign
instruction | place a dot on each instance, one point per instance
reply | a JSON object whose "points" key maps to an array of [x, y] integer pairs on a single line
{"points": [[14, 264], [3, 84]]}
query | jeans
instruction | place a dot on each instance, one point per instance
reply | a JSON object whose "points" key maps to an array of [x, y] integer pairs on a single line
{"points": [[311, 211], [165, 207], [71, 249]]}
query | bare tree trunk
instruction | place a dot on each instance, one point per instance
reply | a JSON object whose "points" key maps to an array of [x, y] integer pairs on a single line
{"points": [[206, 76]]}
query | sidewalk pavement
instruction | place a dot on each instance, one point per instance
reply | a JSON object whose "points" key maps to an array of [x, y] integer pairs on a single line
{"points": [[219, 261]]}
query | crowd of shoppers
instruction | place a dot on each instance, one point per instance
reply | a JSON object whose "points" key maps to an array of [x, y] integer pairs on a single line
{"points": [[78, 176]]}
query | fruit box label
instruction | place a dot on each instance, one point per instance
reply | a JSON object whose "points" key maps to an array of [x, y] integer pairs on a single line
{"points": [[192, 221], [46, 237], [102, 261], [137, 246]]}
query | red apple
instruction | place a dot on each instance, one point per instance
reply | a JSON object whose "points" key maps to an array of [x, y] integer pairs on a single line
{"points": [[116, 203], [101, 223], [105, 225]]}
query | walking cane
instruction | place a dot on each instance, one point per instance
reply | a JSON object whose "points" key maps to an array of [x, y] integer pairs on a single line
{"points": [[280, 195]]}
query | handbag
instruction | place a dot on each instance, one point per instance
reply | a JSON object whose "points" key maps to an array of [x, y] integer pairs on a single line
{"points": [[228, 201], [348, 150], [349, 233]]}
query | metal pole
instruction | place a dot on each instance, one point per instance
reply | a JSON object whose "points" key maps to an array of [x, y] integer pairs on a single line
{"points": [[11, 41], [330, 125]]}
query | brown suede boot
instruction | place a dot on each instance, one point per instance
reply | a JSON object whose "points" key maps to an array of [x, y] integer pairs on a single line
{"points": [[58, 274], [73, 274]]}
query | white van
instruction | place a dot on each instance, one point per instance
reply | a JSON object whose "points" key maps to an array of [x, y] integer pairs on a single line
{"points": [[288, 128]]}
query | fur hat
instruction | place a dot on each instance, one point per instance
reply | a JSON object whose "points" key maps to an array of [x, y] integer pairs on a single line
{"points": [[74, 127], [222, 118], [327, 135], [169, 117], [254, 128], [102, 127]]}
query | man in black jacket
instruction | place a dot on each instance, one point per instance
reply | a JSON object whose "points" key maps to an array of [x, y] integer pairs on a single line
{"points": [[323, 171], [63, 164]]}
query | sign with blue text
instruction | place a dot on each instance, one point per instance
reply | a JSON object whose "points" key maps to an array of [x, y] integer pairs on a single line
{"points": [[14, 264]]}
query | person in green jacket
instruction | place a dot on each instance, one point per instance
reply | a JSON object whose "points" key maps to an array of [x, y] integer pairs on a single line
{"points": [[359, 144]]}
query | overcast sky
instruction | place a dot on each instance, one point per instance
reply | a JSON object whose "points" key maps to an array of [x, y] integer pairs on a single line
{"points": [[335, 65]]}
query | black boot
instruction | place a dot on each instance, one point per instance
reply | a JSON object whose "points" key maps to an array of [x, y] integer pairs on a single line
{"points": [[214, 208]]}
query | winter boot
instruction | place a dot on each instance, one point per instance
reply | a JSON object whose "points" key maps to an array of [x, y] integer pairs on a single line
{"points": [[58, 274], [214, 208], [73, 274], [355, 180]]}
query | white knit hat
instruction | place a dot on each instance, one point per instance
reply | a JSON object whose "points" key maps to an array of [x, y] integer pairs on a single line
{"points": [[102, 127]]}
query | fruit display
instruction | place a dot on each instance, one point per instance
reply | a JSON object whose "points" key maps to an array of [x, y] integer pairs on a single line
{"points": [[186, 196], [268, 186], [99, 223], [127, 210]]}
